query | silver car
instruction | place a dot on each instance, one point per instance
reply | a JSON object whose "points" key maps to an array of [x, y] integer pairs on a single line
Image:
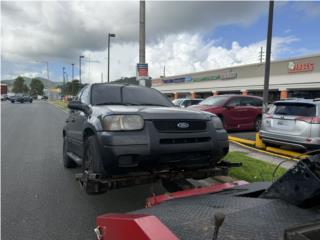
{"points": [[293, 122]]}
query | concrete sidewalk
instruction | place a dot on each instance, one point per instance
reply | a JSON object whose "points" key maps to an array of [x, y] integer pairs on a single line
{"points": [[262, 156]]}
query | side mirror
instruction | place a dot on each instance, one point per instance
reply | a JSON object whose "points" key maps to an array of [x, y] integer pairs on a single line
{"points": [[77, 105]]}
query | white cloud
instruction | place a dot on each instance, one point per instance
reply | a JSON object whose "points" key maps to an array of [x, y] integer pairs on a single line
{"points": [[180, 53]]}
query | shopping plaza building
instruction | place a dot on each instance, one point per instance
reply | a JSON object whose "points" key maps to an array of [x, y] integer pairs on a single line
{"points": [[296, 77]]}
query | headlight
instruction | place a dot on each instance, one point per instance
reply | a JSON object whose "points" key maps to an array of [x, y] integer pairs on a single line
{"points": [[122, 122], [217, 123]]}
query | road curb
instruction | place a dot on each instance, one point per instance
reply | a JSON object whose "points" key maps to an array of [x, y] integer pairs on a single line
{"points": [[57, 107]]}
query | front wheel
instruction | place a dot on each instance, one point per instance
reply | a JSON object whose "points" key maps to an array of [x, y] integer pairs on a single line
{"points": [[257, 124], [92, 163]]}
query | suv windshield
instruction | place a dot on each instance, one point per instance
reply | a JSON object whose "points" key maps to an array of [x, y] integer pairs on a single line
{"points": [[108, 94], [294, 109], [216, 101]]}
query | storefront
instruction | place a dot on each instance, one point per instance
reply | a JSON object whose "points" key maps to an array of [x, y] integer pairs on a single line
{"points": [[299, 77]]}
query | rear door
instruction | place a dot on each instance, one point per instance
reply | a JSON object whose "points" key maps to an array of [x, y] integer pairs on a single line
{"points": [[252, 107], [234, 113], [291, 118]]}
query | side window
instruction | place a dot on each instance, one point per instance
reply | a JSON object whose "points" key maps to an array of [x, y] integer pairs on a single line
{"points": [[77, 97], [234, 102], [85, 96], [251, 102], [186, 103]]}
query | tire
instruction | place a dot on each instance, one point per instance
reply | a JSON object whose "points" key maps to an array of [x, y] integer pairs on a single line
{"points": [[92, 163], [12, 101], [67, 161], [257, 124], [31, 101], [92, 159]]}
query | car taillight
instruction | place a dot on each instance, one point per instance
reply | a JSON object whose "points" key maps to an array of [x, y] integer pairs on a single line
{"points": [[309, 119]]}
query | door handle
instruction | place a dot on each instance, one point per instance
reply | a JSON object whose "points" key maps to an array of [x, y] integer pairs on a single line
{"points": [[67, 121], [73, 120]]}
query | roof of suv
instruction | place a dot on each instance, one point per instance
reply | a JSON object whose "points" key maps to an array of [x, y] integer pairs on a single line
{"points": [[300, 100]]}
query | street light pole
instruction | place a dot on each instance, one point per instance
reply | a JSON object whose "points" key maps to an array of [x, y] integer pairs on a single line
{"points": [[72, 71], [47, 70], [63, 77], [80, 67], [109, 36], [268, 53]]}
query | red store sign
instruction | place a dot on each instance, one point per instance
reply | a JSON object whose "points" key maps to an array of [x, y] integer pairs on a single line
{"points": [[300, 67]]}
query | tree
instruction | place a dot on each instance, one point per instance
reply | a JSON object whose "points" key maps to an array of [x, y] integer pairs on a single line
{"points": [[71, 88], [25, 88], [18, 85], [36, 87]]}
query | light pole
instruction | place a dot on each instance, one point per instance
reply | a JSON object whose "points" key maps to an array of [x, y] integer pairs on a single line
{"points": [[80, 67], [63, 77], [109, 36], [72, 71]]}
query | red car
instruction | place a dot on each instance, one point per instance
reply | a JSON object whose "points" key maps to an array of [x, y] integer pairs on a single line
{"points": [[237, 112]]}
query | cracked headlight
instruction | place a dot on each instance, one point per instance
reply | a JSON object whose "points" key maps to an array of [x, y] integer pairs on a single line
{"points": [[122, 122]]}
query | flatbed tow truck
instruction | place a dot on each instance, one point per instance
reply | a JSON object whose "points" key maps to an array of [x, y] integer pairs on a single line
{"points": [[287, 209]]}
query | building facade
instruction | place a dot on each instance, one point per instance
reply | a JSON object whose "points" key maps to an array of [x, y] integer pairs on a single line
{"points": [[298, 77]]}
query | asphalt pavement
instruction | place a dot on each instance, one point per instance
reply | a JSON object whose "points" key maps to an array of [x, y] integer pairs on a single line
{"points": [[40, 199], [249, 135]]}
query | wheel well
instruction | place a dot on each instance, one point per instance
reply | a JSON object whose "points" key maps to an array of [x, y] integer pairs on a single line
{"points": [[87, 133], [259, 116]]}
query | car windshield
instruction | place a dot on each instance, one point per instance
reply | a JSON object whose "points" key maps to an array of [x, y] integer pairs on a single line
{"points": [[294, 109], [108, 94], [215, 101]]}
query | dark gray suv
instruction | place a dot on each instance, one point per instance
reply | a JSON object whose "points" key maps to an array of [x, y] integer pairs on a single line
{"points": [[115, 129]]}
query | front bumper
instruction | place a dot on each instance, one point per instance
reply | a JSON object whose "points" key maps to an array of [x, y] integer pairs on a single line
{"points": [[298, 142], [153, 149]]}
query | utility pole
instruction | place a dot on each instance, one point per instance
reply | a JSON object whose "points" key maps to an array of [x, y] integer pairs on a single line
{"points": [[267, 65], [142, 32], [101, 77], [72, 71], [164, 71], [142, 66], [109, 36], [80, 67], [261, 55]]}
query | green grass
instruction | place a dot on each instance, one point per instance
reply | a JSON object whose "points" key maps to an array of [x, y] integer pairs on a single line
{"points": [[252, 170], [60, 103]]}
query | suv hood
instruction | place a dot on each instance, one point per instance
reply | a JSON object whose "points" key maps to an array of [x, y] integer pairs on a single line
{"points": [[152, 112]]}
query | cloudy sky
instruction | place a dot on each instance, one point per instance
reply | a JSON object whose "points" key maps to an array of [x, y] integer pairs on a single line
{"points": [[183, 36]]}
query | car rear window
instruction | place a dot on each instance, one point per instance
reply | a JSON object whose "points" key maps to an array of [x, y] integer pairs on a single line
{"points": [[294, 109]]}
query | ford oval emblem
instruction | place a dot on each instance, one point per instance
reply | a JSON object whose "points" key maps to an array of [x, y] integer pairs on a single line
{"points": [[183, 125]]}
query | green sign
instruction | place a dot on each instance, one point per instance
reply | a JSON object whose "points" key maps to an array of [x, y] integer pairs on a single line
{"points": [[207, 78]]}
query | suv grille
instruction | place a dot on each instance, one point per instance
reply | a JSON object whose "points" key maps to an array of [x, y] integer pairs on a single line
{"points": [[180, 125]]}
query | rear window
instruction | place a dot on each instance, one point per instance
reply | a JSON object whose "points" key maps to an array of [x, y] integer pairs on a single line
{"points": [[294, 109]]}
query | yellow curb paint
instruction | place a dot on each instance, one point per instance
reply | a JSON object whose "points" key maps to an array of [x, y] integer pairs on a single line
{"points": [[286, 152], [241, 140], [265, 152]]}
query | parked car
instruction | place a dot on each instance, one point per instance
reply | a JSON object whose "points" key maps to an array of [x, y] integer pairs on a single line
{"points": [[114, 128], [21, 98], [237, 112], [293, 122], [4, 97], [186, 102]]}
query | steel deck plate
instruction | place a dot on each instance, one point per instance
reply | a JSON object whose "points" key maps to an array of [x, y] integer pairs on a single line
{"points": [[246, 218]]}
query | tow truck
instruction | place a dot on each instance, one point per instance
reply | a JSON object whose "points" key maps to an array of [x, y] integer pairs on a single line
{"points": [[288, 209]]}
